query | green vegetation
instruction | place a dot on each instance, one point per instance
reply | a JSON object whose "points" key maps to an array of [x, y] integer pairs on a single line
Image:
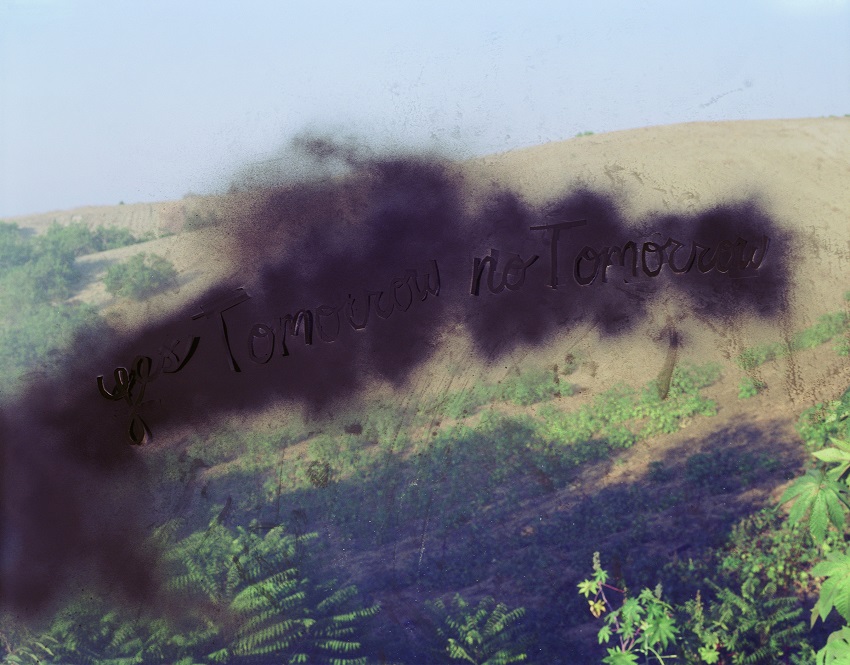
{"points": [[140, 276], [750, 624], [37, 275], [828, 327], [15, 248], [750, 387], [532, 386], [642, 625], [584, 134], [441, 496], [488, 634], [249, 603], [620, 416], [820, 423], [749, 594]]}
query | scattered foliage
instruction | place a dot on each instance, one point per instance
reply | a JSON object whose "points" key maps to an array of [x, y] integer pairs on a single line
{"points": [[488, 634], [140, 276]]}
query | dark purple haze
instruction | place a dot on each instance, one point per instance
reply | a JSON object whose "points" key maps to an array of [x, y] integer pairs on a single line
{"points": [[75, 495]]}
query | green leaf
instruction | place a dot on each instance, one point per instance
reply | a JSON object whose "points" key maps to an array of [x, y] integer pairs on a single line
{"points": [[604, 634], [661, 630], [631, 611], [832, 455], [837, 649], [709, 655], [619, 657], [835, 590], [822, 499], [840, 443], [588, 587]]}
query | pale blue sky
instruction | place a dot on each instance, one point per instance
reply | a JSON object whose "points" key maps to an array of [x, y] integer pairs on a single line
{"points": [[146, 101]]}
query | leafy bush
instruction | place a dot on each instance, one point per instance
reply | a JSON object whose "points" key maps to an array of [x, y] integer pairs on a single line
{"points": [[819, 423], [766, 547], [140, 276], [642, 625], [536, 385], [43, 268], [40, 329], [15, 247], [751, 627], [614, 419], [49, 278], [827, 327], [488, 634], [821, 500], [750, 387], [748, 628], [249, 604], [78, 239]]}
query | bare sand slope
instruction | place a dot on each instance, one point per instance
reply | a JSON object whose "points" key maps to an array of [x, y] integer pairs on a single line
{"points": [[798, 169], [800, 172]]}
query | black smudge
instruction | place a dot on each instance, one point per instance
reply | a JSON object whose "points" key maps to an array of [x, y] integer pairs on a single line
{"points": [[75, 493]]}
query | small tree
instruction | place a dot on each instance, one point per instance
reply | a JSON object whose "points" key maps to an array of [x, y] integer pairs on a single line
{"points": [[140, 276], [15, 247]]}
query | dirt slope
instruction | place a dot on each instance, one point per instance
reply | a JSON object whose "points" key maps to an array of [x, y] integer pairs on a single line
{"points": [[799, 170]]}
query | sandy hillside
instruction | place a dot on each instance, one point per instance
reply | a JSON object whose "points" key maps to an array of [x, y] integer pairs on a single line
{"points": [[798, 169]]}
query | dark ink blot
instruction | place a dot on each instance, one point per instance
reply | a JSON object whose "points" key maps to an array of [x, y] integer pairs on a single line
{"points": [[370, 271]]}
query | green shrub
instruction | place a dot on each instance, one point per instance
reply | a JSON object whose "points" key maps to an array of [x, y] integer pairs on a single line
{"points": [[643, 624], [750, 387], [488, 634], [750, 627], [535, 385], [15, 248], [140, 276], [767, 547], [43, 268], [817, 424], [78, 239], [827, 327], [49, 277], [250, 603]]}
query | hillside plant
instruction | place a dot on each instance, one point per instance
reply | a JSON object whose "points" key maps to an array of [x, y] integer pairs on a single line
{"points": [[486, 634], [750, 387], [821, 501], [827, 327], [643, 624], [751, 627], [249, 603], [15, 247], [140, 276]]}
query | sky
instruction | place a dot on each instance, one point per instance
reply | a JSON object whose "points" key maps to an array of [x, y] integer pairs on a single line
{"points": [[102, 102]]}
